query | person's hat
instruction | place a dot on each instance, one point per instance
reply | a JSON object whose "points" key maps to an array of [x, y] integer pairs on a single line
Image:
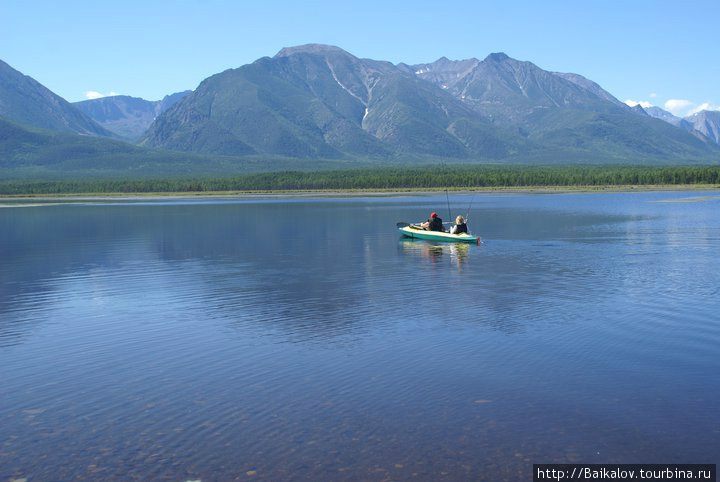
{"points": [[433, 215]]}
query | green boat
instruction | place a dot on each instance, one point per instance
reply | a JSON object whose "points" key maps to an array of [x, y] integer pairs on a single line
{"points": [[417, 232]]}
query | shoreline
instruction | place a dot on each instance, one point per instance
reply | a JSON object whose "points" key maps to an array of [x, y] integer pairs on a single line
{"points": [[45, 199]]}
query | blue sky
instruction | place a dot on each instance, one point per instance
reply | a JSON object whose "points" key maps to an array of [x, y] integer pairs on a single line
{"points": [[660, 52]]}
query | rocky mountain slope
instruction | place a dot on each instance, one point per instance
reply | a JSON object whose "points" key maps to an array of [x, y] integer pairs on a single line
{"points": [[706, 122]]}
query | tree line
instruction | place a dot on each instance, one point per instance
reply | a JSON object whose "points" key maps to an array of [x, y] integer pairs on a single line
{"points": [[395, 178]]}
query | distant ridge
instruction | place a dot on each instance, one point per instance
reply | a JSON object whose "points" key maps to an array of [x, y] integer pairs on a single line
{"points": [[125, 116]]}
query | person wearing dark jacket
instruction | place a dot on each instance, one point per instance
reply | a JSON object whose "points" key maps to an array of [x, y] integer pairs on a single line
{"points": [[459, 227], [434, 223]]}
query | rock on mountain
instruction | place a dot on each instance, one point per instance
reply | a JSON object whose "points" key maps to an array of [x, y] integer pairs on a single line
{"points": [[128, 117], [26, 101], [707, 122]]}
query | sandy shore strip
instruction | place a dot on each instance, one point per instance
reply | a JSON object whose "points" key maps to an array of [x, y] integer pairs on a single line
{"points": [[694, 199], [24, 200]]}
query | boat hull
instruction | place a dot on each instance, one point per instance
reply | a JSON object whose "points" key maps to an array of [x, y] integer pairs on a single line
{"points": [[416, 232]]}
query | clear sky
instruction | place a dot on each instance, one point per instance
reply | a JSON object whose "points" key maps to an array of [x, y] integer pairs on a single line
{"points": [[656, 51]]}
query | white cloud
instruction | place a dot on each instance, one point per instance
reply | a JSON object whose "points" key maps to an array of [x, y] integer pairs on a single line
{"points": [[704, 106], [653, 95], [678, 107], [642, 103], [93, 94]]}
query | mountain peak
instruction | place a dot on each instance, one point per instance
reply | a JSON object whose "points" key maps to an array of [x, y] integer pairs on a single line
{"points": [[497, 57], [309, 49], [638, 109]]}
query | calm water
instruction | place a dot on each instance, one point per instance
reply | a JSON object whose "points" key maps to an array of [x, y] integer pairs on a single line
{"points": [[302, 339]]}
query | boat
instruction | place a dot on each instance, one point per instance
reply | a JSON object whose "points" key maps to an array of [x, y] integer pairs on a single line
{"points": [[417, 232]]}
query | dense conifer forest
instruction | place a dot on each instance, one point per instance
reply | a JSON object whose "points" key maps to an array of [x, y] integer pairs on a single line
{"points": [[411, 178]]}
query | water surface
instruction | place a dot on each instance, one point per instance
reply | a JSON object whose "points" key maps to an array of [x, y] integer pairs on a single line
{"points": [[303, 339]]}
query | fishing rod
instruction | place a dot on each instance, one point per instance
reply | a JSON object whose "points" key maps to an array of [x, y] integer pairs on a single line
{"points": [[467, 214], [447, 196]]}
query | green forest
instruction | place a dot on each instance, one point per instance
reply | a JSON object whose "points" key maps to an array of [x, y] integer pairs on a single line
{"points": [[400, 178]]}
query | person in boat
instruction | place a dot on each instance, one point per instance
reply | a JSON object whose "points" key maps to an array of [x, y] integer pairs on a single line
{"points": [[459, 226], [434, 223]]}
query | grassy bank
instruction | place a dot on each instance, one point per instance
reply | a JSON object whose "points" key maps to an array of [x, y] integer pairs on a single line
{"points": [[386, 179]]}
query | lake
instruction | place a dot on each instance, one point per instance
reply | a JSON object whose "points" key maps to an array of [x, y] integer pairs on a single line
{"points": [[300, 338]]}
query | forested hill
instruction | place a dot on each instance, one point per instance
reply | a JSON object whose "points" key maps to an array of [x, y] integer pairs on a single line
{"points": [[383, 179]]}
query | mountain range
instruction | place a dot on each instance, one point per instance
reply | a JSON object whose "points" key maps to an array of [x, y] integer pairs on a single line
{"points": [[318, 102]]}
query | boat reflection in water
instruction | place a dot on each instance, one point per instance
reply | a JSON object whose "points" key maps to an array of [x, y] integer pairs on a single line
{"points": [[436, 253]]}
